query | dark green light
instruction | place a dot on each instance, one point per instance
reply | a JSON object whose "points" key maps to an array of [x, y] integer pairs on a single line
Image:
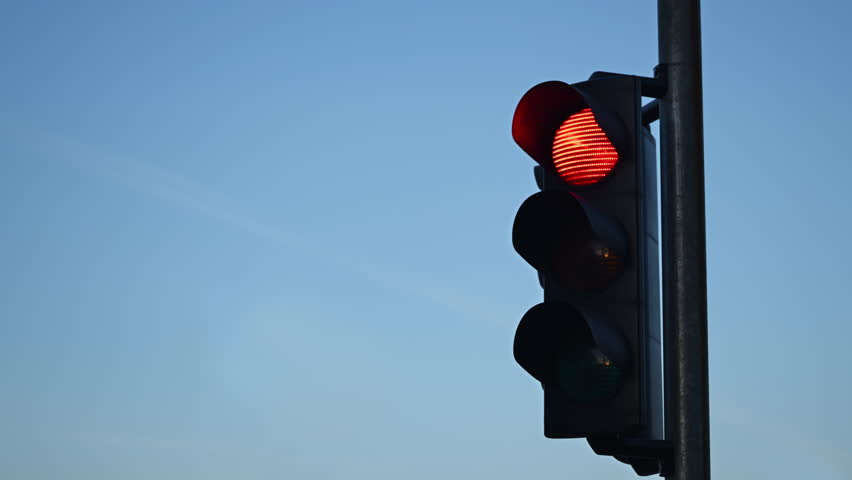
{"points": [[587, 374], [556, 345]]}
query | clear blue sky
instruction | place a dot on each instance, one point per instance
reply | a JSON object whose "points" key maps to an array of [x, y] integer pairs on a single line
{"points": [[272, 240]]}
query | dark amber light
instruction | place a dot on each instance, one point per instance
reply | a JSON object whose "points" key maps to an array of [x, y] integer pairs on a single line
{"points": [[582, 153]]}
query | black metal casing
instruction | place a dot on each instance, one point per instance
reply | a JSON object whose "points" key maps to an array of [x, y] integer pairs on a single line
{"points": [[631, 303]]}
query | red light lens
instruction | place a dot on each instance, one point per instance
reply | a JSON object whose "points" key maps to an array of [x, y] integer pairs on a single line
{"points": [[582, 153]]}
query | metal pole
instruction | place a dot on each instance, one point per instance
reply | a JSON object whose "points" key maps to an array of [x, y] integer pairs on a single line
{"points": [[683, 238]]}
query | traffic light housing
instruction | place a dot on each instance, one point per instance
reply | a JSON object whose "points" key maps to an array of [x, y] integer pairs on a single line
{"points": [[592, 235]]}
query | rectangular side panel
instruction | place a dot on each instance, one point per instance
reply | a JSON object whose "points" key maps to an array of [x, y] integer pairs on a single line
{"points": [[650, 322]]}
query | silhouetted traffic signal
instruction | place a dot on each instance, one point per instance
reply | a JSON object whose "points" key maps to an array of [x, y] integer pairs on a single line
{"points": [[591, 233]]}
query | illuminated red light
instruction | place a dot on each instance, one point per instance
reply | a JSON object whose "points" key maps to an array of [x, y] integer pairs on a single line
{"points": [[582, 153]]}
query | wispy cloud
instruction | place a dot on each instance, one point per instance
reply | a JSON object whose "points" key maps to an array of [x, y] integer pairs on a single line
{"points": [[168, 186]]}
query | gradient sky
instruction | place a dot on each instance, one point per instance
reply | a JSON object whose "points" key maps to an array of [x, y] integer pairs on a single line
{"points": [[272, 240]]}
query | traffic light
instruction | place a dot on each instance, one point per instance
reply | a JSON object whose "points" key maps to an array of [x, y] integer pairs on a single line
{"points": [[591, 233]]}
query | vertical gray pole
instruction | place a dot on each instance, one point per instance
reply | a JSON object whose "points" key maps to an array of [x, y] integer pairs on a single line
{"points": [[683, 238]]}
